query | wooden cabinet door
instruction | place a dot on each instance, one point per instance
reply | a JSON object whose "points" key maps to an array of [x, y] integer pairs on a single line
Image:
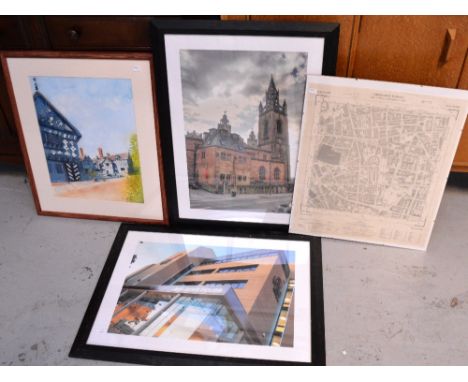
{"points": [[347, 24], [99, 32], [460, 163], [426, 50], [9, 144], [119, 33], [13, 35]]}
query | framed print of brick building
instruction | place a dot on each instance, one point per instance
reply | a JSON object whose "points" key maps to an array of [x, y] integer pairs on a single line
{"points": [[230, 100]]}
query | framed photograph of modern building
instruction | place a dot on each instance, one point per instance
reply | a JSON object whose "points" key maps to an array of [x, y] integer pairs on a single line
{"points": [[89, 133], [230, 98], [186, 297]]}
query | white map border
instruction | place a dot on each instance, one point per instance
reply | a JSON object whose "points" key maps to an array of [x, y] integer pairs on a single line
{"points": [[338, 223]]}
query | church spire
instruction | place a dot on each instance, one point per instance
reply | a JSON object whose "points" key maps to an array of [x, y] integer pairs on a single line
{"points": [[36, 88], [272, 83], [272, 95]]}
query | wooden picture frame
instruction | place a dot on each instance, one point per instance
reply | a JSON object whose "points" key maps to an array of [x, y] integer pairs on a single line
{"points": [[223, 68], [167, 320], [106, 99]]}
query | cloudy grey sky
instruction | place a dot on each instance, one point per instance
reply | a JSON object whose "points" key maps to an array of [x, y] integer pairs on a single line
{"points": [[214, 81]]}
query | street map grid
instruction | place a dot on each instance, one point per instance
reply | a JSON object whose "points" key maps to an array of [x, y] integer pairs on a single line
{"points": [[370, 162]]}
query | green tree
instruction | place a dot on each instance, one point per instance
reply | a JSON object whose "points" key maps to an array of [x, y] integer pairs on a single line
{"points": [[134, 183], [134, 154], [131, 169]]}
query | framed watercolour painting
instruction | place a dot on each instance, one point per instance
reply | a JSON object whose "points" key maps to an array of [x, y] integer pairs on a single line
{"points": [[184, 297], [87, 127], [231, 97]]}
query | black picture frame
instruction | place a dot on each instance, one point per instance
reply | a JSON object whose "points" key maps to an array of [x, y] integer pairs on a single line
{"points": [[159, 29], [80, 348]]}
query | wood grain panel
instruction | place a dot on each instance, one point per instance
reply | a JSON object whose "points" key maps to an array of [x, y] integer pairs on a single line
{"points": [[460, 163], [12, 35], [410, 49], [10, 151], [235, 17], [103, 32], [35, 31], [346, 32], [463, 80]]}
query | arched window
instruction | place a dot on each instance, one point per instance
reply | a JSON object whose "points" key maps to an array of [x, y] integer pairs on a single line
{"points": [[265, 130], [261, 173], [279, 127], [276, 173]]}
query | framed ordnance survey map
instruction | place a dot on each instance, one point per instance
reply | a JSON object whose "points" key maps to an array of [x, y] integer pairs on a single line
{"points": [[374, 159]]}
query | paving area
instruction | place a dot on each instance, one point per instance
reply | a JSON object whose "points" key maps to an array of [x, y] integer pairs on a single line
{"points": [[252, 202], [383, 306]]}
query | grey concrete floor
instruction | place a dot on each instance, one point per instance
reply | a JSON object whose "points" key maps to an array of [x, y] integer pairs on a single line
{"points": [[383, 306]]}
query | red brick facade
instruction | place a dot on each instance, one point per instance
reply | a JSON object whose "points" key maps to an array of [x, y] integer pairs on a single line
{"points": [[223, 170], [221, 162]]}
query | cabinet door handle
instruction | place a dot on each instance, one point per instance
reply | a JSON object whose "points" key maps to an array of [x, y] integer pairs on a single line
{"points": [[74, 34], [448, 44]]}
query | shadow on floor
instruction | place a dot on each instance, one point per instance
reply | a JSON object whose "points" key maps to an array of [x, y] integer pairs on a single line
{"points": [[458, 180]]}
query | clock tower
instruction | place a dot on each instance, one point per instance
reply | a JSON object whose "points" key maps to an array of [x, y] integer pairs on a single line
{"points": [[273, 126]]}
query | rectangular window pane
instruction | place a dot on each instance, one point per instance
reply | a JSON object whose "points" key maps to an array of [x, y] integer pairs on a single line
{"points": [[245, 268], [237, 284]]}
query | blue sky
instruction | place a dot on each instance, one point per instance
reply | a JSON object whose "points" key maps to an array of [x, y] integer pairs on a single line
{"points": [[100, 108], [152, 253]]}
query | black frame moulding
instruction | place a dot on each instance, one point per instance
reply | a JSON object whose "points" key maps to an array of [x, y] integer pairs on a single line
{"points": [[80, 348], [159, 29]]}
